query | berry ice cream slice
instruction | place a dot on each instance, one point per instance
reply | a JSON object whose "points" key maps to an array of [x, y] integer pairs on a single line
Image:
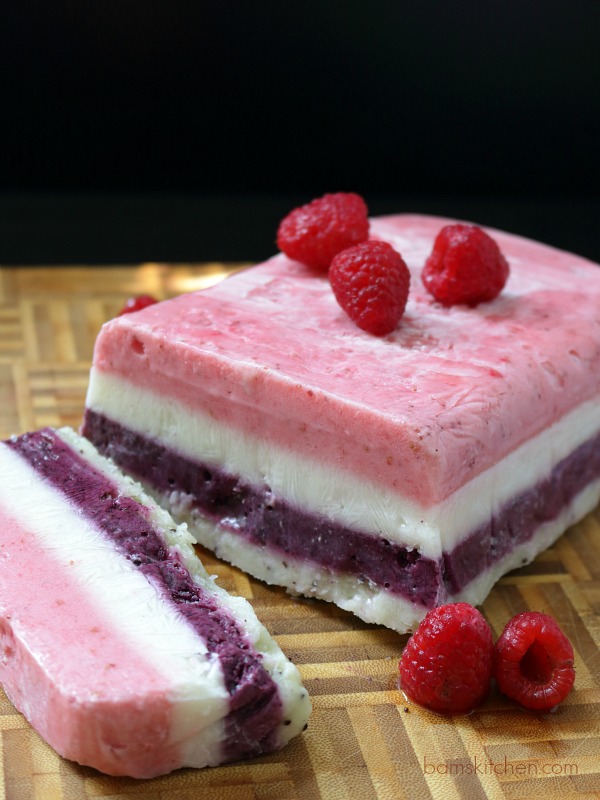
{"points": [[389, 473], [115, 643]]}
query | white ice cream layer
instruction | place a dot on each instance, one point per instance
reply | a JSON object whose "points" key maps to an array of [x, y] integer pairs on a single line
{"points": [[353, 501], [368, 601]]}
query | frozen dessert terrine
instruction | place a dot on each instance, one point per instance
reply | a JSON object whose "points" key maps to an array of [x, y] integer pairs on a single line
{"points": [[114, 642], [386, 474]]}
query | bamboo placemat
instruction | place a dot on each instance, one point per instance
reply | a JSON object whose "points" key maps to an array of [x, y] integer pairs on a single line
{"points": [[364, 740]]}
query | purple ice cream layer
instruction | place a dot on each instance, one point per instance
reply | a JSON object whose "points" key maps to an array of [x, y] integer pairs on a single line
{"points": [[255, 705], [255, 514]]}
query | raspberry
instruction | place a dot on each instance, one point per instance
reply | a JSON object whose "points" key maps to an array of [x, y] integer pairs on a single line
{"points": [[316, 232], [137, 303], [370, 282], [447, 664], [465, 266], [533, 661]]}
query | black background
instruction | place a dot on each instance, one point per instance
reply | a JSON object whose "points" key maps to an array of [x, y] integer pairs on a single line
{"points": [[184, 130]]}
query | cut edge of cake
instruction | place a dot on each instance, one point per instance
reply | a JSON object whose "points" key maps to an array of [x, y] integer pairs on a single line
{"points": [[551, 465], [198, 717]]}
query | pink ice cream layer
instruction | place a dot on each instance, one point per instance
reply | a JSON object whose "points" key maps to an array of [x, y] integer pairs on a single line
{"points": [[114, 695], [421, 411]]}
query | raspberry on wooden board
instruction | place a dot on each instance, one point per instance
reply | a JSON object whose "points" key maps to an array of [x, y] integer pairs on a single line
{"points": [[137, 304], [446, 665], [533, 661]]}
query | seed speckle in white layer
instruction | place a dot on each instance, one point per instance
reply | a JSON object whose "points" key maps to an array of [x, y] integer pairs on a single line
{"points": [[370, 602]]}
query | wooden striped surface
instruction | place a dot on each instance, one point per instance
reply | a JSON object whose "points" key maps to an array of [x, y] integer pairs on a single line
{"points": [[364, 740]]}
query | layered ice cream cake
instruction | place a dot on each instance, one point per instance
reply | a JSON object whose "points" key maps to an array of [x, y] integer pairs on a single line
{"points": [[385, 474], [114, 642]]}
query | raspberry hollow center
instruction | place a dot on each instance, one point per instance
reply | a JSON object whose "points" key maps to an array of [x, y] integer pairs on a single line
{"points": [[536, 665]]}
